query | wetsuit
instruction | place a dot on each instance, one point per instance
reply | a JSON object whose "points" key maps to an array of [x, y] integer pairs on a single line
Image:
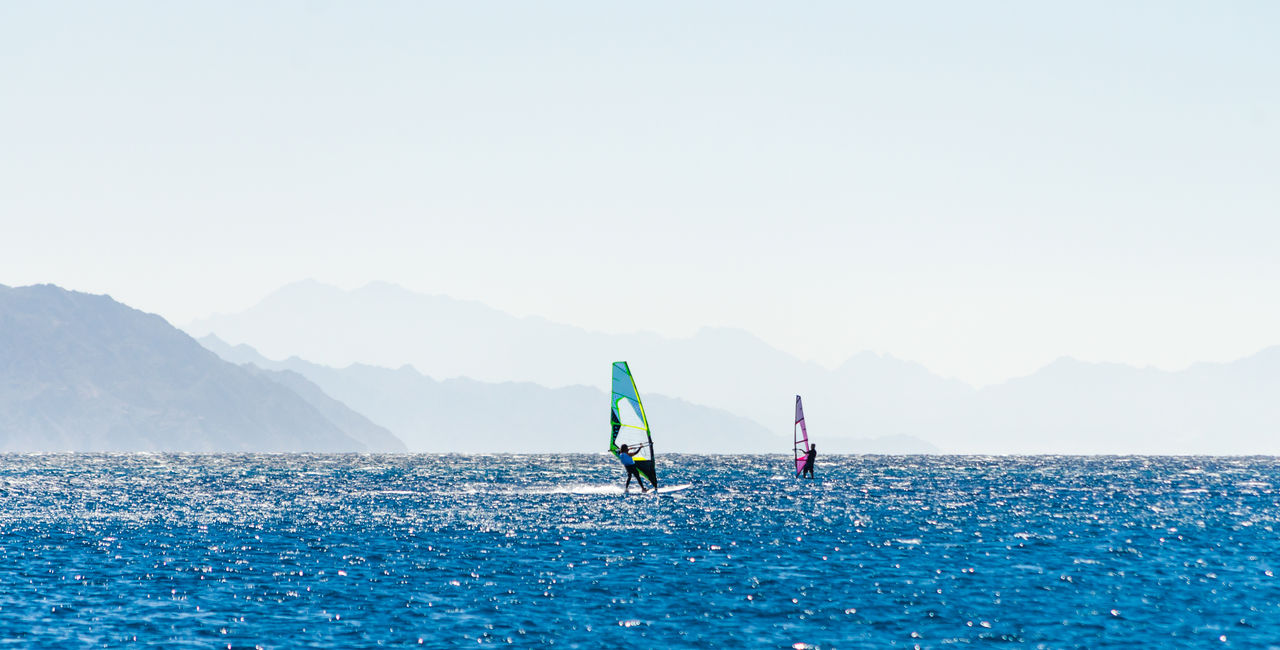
{"points": [[630, 463], [808, 462]]}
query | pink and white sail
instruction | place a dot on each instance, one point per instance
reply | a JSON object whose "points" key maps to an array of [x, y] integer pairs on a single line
{"points": [[800, 435]]}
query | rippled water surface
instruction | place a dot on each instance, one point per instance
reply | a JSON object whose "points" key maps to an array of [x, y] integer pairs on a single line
{"points": [[458, 551]]}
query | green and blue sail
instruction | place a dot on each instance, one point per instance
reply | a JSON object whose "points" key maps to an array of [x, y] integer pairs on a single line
{"points": [[625, 430]]}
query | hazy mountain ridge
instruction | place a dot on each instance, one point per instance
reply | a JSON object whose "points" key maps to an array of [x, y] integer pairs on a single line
{"points": [[1225, 408], [82, 372], [374, 437], [465, 415], [1068, 406], [730, 369]]}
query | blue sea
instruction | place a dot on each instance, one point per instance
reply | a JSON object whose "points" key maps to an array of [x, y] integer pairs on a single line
{"points": [[441, 551]]}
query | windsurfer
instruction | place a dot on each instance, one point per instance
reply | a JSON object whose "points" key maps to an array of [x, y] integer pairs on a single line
{"points": [[625, 457], [808, 461]]}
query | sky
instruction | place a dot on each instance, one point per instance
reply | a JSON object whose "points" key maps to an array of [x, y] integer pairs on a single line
{"points": [[980, 187]]}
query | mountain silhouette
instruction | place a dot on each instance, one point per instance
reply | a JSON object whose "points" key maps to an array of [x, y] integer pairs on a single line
{"points": [[387, 326], [887, 405], [82, 372], [469, 416]]}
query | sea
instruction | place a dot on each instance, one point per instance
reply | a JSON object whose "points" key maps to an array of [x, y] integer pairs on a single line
{"points": [[459, 551]]}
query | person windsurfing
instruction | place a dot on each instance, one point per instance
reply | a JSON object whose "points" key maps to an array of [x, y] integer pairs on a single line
{"points": [[625, 457], [807, 470]]}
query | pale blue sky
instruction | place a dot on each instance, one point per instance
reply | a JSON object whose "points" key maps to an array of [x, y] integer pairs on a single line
{"points": [[981, 187]]}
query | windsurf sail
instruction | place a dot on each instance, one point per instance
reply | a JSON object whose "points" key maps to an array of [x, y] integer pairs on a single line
{"points": [[629, 426], [800, 436]]}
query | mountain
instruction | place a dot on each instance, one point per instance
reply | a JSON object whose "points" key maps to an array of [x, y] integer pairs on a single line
{"points": [[81, 372], [729, 369], [871, 402], [374, 437], [385, 325], [468, 416], [1071, 406]]}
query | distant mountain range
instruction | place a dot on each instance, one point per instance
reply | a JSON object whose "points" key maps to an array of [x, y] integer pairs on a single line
{"points": [[81, 372], [468, 416], [385, 325], [1066, 407]]}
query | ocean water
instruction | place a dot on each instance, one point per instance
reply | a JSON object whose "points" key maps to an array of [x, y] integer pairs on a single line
{"points": [[286, 551]]}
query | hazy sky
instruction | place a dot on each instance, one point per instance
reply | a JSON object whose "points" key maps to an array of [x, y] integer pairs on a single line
{"points": [[980, 187]]}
